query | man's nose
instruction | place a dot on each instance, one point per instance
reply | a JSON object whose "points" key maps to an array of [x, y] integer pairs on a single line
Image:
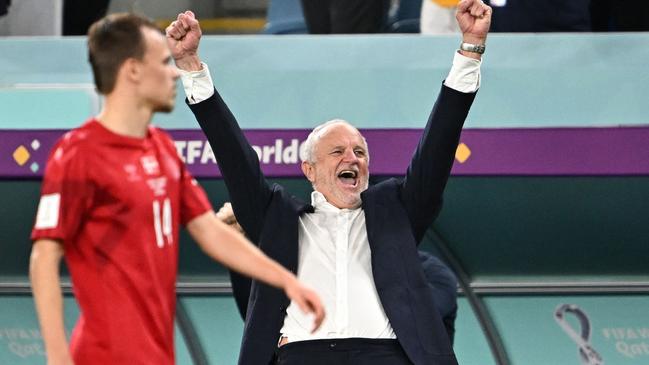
{"points": [[350, 156]]}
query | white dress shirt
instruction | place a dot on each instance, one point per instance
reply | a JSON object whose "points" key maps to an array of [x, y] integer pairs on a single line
{"points": [[334, 259], [334, 254]]}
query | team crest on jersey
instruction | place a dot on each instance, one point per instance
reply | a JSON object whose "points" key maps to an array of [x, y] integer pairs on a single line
{"points": [[158, 185], [131, 172], [150, 165]]}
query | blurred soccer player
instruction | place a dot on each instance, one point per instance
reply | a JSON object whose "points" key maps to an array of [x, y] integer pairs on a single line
{"points": [[113, 197]]}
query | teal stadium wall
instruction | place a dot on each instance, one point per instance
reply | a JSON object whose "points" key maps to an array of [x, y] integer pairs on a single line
{"points": [[524, 240]]}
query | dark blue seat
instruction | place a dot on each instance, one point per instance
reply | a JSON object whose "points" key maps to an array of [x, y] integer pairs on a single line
{"points": [[406, 17], [285, 17]]}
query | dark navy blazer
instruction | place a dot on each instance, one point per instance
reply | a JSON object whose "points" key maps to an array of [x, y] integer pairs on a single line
{"points": [[397, 214]]}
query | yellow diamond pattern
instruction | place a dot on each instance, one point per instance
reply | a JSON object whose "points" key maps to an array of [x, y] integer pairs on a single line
{"points": [[21, 155], [462, 153]]}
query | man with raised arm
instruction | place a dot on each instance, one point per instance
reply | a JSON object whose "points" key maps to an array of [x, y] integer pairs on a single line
{"points": [[355, 244]]}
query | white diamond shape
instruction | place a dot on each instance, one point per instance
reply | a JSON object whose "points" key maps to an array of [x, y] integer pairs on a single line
{"points": [[36, 145]]}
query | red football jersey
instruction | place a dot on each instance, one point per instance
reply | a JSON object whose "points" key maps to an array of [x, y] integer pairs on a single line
{"points": [[116, 203]]}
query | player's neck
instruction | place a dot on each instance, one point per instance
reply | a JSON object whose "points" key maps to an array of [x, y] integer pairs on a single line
{"points": [[123, 116]]}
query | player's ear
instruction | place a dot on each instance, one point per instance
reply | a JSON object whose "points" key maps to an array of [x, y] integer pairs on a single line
{"points": [[132, 69]]}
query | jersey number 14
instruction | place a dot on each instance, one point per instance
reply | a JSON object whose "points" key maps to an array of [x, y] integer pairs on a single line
{"points": [[162, 222]]}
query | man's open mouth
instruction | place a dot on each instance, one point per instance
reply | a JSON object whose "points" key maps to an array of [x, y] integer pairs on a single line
{"points": [[348, 177]]}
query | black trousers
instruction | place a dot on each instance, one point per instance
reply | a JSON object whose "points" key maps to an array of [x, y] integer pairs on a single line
{"points": [[348, 351], [345, 16]]}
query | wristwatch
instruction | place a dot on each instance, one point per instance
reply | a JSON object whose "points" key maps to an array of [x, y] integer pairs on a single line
{"points": [[470, 47]]}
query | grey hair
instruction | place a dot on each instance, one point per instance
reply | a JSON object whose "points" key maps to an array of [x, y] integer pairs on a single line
{"points": [[318, 132]]}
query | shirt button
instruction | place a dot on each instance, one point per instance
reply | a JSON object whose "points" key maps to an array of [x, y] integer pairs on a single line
{"points": [[332, 345]]}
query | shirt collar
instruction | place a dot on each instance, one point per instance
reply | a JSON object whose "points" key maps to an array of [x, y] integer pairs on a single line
{"points": [[318, 201]]}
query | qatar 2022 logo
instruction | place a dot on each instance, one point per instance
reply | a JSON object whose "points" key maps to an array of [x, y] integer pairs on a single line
{"points": [[581, 337]]}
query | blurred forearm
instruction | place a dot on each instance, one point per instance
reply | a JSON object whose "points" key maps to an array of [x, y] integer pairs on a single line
{"points": [[46, 287], [229, 247]]}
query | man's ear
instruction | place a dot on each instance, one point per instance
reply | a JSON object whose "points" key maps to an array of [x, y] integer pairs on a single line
{"points": [[308, 170], [132, 68]]}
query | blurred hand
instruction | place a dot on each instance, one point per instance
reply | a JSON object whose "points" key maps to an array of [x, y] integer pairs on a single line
{"points": [[474, 19], [226, 215], [183, 37]]}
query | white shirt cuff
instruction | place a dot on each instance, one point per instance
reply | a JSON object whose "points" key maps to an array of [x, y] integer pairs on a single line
{"points": [[464, 75], [198, 85]]}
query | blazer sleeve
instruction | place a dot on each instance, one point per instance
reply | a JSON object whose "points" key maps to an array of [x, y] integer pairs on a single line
{"points": [[431, 163], [249, 190]]}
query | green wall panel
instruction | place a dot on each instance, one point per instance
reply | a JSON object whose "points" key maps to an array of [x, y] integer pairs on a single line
{"points": [[470, 345], [619, 328], [218, 326], [20, 339], [548, 228]]}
